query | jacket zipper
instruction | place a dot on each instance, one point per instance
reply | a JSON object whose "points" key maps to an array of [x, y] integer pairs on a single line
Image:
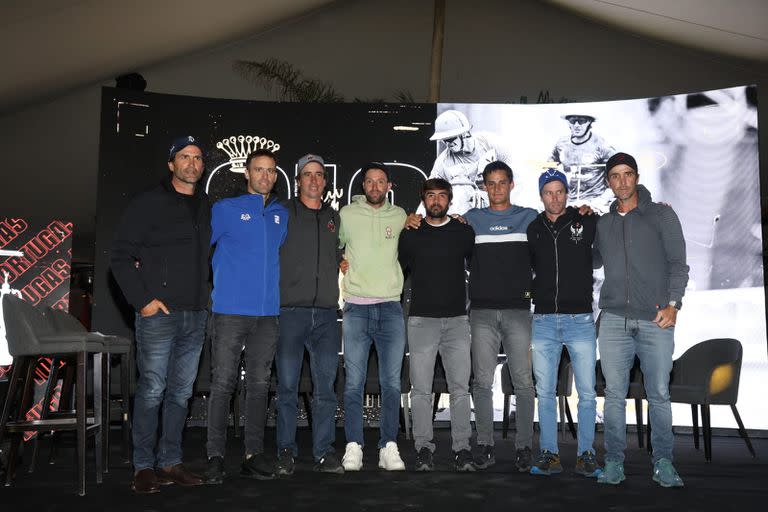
{"points": [[555, 235], [317, 260]]}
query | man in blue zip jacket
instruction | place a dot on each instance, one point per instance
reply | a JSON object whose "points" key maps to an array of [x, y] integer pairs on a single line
{"points": [[560, 241], [247, 231]]}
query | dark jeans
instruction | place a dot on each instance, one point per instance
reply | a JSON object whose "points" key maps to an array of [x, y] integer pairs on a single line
{"points": [[258, 334], [317, 330], [167, 354]]}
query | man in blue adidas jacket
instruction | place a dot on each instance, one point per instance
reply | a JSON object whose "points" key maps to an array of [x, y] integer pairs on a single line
{"points": [[247, 231]]}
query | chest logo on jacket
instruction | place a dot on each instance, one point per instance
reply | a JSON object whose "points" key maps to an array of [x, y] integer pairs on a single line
{"points": [[245, 217], [277, 219], [388, 233], [331, 226], [577, 232]]}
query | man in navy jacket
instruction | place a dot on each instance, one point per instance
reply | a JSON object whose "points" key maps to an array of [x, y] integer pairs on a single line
{"points": [[160, 260], [247, 231], [560, 241]]}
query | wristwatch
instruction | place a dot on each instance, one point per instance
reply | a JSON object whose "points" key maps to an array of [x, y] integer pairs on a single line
{"points": [[676, 304]]}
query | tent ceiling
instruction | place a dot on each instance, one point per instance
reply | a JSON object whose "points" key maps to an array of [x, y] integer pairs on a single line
{"points": [[49, 46], [738, 28]]}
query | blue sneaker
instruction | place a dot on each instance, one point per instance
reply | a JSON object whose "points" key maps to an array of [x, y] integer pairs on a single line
{"points": [[613, 474], [665, 475]]}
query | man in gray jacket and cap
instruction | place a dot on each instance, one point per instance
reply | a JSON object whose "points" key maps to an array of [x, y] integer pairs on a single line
{"points": [[643, 250], [309, 295]]}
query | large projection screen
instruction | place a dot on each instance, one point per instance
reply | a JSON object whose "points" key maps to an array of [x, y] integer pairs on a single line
{"points": [[696, 151]]}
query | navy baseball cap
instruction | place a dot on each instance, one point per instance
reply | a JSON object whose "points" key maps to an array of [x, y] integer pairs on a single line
{"points": [[619, 159], [180, 143], [551, 175]]}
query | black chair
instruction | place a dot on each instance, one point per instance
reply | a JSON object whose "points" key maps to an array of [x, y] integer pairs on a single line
{"points": [[30, 335], [564, 389], [635, 391], [708, 374]]}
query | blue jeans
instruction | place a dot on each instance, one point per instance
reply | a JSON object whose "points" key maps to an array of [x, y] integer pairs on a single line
{"points": [[384, 326], [620, 339], [167, 354], [577, 333], [317, 330]]}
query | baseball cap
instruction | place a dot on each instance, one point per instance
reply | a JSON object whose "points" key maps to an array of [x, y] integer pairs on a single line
{"points": [[619, 159], [180, 143], [308, 158], [568, 117], [551, 175]]}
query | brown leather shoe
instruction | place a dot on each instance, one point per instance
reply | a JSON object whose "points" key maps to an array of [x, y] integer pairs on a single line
{"points": [[178, 474], [145, 482]]}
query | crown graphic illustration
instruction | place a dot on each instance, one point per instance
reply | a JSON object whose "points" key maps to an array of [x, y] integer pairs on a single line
{"points": [[238, 148]]}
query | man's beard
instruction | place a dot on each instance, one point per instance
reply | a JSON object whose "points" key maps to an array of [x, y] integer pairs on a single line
{"points": [[377, 200], [437, 213]]}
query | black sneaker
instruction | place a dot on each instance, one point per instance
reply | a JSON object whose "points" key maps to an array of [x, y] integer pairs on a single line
{"points": [[462, 461], [285, 462], [586, 464], [329, 463], [214, 472], [257, 466], [523, 460], [485, 458], [424, 460], [547, 463]]}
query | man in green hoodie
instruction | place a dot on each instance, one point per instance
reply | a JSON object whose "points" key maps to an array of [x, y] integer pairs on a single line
{"points": [[370, 228]]}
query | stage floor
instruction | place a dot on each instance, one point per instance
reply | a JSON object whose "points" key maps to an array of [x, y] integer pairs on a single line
{"points": [[732, 479]]}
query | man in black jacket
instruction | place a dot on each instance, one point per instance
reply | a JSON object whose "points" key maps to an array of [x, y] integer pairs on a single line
{"points": [[160, 261], [560, 241], [309, 295]]}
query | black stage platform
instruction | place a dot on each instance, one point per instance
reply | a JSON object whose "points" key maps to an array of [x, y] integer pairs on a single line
{"points": [[732, 480]]}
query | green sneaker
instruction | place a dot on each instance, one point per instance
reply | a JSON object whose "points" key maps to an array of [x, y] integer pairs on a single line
{"points": [[613, 473], [547, 463], [586, 464], [665, 475]]}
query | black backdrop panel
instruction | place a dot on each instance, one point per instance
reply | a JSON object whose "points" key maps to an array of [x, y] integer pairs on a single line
{"points": [[137, 129]]}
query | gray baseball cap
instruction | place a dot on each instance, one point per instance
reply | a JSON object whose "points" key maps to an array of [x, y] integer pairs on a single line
{"points": [[309, 157]]}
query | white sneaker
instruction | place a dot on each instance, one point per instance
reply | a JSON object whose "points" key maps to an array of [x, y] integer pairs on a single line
{"points": [[389, 458], [353, 457]]}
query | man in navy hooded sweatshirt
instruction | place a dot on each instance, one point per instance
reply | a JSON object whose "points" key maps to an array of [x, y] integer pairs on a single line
{"points": [[247, 231]]}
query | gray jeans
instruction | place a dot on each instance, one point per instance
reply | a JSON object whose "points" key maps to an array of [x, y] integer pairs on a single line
{"points": [[449, 337], [510, 328]]}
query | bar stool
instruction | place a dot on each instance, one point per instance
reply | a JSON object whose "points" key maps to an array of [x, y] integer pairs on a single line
{"points": [[113, 345], [30, 335]]}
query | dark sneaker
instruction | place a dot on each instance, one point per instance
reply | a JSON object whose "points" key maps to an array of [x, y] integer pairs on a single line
{"points": [[665, 474], [214, 472], [258, 467], [547, 463], [424, 460], [613, 474], [523, 459], [285, 462], [329, 463], [462, 461], [485, 458], [586, 464]]}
